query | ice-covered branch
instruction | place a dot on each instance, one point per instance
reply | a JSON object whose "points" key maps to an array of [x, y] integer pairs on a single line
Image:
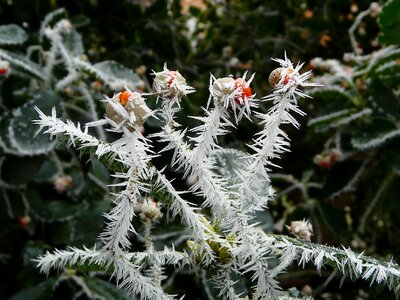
{"points": [[344, 260], [271, 141]]}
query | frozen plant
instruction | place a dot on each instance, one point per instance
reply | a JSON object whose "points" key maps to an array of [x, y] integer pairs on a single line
{"points": [[223, 241]]}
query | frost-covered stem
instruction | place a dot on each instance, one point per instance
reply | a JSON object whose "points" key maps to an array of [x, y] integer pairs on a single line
{"points": [[128, 277], [349, 263], [155, 268], [353, 27], [50, 62], [69, 62], [385, 184], [179, 206], [225, 284], [116, 234], [270, 143], [92, 109], [207, 182], [253, 257], [86, 290], [147, 236], [57, 127], [206, 141]]}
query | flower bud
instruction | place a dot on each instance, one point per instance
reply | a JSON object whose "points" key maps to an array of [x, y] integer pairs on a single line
{"points": [[24, 221], [276, 76], [225, 85], [132, 103], [63, 183], [301, 229], [150, 211], [4, 67], [170, 85], [374, 9]]}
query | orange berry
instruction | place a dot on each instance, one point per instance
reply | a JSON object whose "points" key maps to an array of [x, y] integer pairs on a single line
{"points": [[245, 90], [124, 97]]}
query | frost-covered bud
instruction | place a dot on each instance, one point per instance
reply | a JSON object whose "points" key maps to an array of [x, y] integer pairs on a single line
{"points": [[63, 183], [301, 229], [149, 210], [335, 155], [322, 161], [223, 86], [4, 67], [170, 85], [243, 91], [328, 159], [375, 9], [282, 76], [133, 111], [96, 86], [237, 89]]}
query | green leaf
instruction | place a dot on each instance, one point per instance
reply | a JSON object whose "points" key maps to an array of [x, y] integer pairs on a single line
{"points": [[48, 171], [230, 162], [323, 123], [331, 92], [368, 141], [20, 170], [92, 221], [389, 19], [41, 291], [101, 289], [110, 71], [32, 250], [383, 99], [73, 42], [5, 142], [12, 35], [80, 21], [21, 62], [55, 210], [22, 132]]}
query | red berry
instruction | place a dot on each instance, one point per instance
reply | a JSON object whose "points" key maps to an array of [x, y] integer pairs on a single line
{"points": [[325, 164], [24, 221], [3, 71]]}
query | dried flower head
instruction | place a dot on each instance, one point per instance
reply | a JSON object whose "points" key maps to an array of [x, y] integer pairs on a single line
{"points": [[149, 210], [127, 108], [301, 229], [4, 67], [63, 183], [170, 85]]}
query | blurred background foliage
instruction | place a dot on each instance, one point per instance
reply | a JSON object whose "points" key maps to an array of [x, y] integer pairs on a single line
{"points": [[342, 172]]}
